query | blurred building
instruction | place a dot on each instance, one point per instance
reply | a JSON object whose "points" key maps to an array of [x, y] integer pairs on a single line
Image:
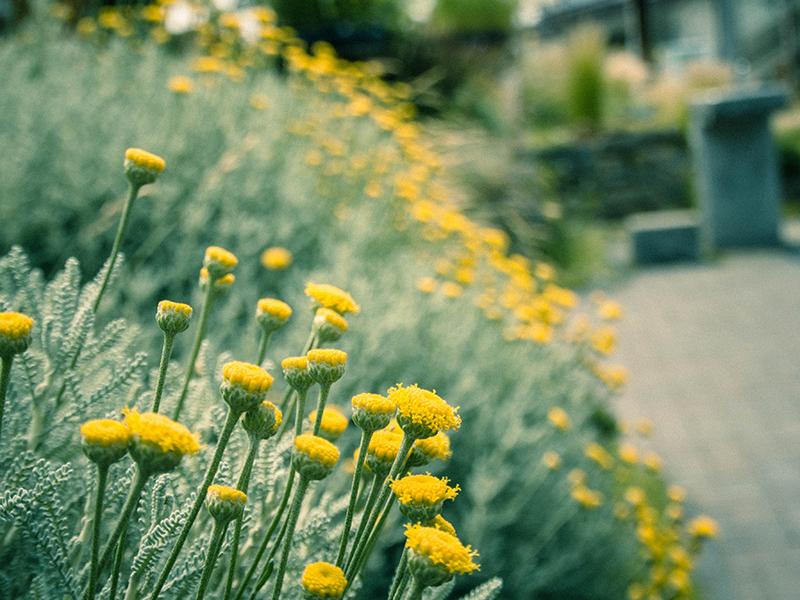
{"points": [[759, 36]]}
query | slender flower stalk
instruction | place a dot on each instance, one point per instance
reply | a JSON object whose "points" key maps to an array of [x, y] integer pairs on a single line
{"points": [[271, 315], [172, 318], [117, 567], [291, 523], [5, 378], [199, 336], [322, 399], [166, 352], [225, 504], [15, 337], [211, 559], [366, 436], [400, 577], [134, 493], [263, 344], [102, 475], [372, 499]]}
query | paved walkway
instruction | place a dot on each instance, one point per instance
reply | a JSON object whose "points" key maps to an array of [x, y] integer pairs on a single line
{"points": [[714, 357]]}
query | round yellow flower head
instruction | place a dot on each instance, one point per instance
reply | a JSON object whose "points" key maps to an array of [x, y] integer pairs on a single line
{"points": [[180, 85], [219, 261], [329, 296], [15, 333], [225, 503], [382, 450], [372, 411], [330, 325], [429, 449], [263, 421], [326, 365], [333, 423], [295, 370], [314, 457], [104, 441], [703, 527], [599, 455], [551, 459], [157, 442], [221, 284], [586, 497], [323, 581], [421, 496], [559, 418], [436, 556], [142, 167], [244, 385], [421, 413], [272, 313], [276, 258], [173, 317]]}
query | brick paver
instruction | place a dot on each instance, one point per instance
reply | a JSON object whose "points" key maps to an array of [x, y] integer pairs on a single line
{"points": [[713, 352]]}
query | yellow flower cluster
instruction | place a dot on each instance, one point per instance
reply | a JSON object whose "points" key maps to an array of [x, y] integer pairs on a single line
{"points": [[246, 376], [317, 449], [327, 356], [105, 432], [442, 549], [145, 160], [323, 580], [276, 258], [161, 432], [332, 297], [15, 325], [423, 489], [424, 409]]}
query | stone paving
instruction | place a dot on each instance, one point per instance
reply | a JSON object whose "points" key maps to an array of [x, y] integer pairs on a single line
{"points": [[713, 352]]}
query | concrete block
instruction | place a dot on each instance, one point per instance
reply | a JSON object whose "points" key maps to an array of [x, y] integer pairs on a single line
{"points": [[664, 236]]}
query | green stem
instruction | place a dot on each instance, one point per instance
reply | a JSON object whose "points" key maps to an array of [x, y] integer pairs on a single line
{"points": [[137, 485], [416, 590], [200, 334], [166, 352], [374, 492], [262, 346], [123, 224], [362, 553], [211, 558], [311, 341], [117, 564], [243, 484], [324, 390], [230, 422], [267, 570], [348, 518], [399, 576], [270, 530], [5, 378], [294, 513], [102, 475]]}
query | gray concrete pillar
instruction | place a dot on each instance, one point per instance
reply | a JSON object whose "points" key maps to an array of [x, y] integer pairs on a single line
{"points": [[735, 166]]}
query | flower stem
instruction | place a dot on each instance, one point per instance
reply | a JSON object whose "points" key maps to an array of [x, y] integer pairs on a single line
{"points": [[270, 530], [211, 558], [230, 422], [102, 475], [294, 513], [117, 564], [322, 399], [243, 484], [123, 224], [137, 485], [166, 352], [374, 492], [416, 590], [348, 519], [200, 334], [399, 576], [5, 378], [263, 345]]}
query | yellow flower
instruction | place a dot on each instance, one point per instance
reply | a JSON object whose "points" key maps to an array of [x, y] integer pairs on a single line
{"points": [[272, 313], [157, 442], [652, 461], [450, 289], [559, 418], [314, 457], [220, 284], [635, 495], [645, 427], [180, 85], [426, 285], [374, 404], [442, 524], [249, 377], [587, 498], [225, 503], [263, 421], [104, 441], [295, 370], [600, 455], [421, 413], [703, 527], [173, 317], [676, 493], [323, 580], [382, 450], [142, 167], [441, 549], [610, 310], [15, 333], [551, 459], [423, 489], [425, 450], [219, 261], [329, 296], [333, 422], [330, 325], [227, 494], [276, 258], [628, 454], [604, 340]]}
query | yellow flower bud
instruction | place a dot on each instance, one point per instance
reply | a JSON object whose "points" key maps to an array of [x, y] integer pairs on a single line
{"points": [[15, 333], [142, 167], [104, 441], [173, 317]]}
